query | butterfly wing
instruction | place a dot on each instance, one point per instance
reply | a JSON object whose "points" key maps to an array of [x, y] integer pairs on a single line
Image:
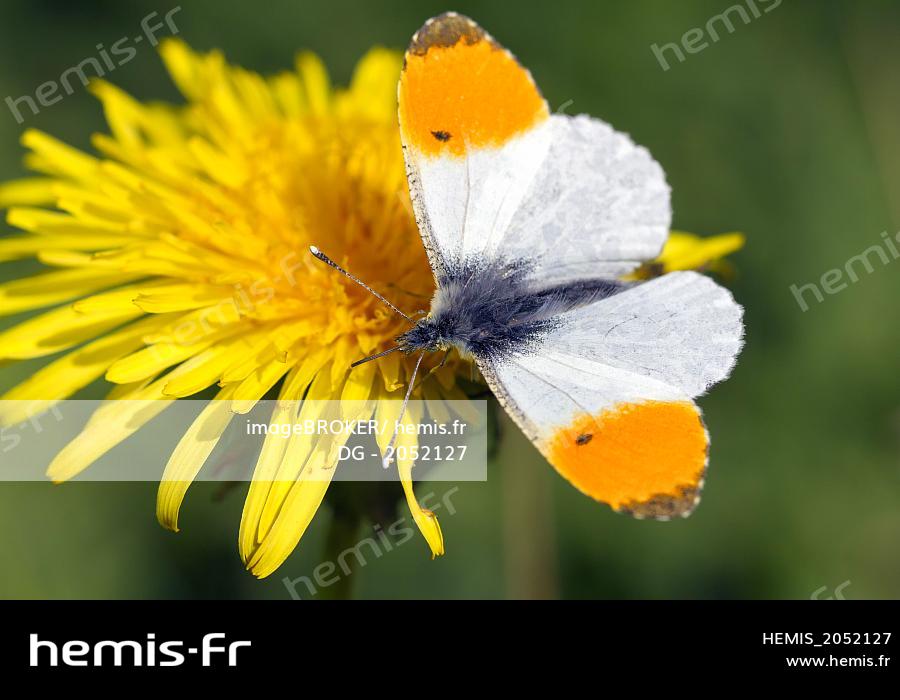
{"points": [[491, 172], [607, 397]]}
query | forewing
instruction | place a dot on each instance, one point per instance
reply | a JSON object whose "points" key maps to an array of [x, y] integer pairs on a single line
{"points": [[474, 131], [492, 175], [598, 207]]}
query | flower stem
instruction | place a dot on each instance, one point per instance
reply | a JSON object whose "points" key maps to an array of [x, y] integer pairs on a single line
{"points": [[343, 535]]}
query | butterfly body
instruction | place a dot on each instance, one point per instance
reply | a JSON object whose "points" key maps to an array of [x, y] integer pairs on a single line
{"points": [[494, 311]]}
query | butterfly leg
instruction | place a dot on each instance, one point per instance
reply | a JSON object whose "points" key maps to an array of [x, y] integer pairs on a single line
{"points": [[436, 368]]}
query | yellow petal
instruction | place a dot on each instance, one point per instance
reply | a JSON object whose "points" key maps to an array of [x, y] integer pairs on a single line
{"points": [[189, 457], [73, 258], [54, 287], [115, 301], [284, 415], [58, 330], [44, 221], [373, 89], [185, 297], [254, 387], [60, 158], [282, 459], [257, 352], [155, 358], [129, 120], [286, 516], [110, 425], [389, 365], [123, 413], [358, 386], [18, 247], [305, 496], [217, 165], [298, 450], [437, 407], [316, 83], [685, 251], [207, 369], [196, 325], [296, 512], [185, 67], [462, 405], [63, 377], [388, 411], [288, 94], [33, 190]]}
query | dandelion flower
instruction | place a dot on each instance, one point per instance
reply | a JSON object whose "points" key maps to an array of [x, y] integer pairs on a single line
{"points": [[179, 261], [687, 251]]}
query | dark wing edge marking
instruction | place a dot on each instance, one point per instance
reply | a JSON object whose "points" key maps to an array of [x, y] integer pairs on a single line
{"points": [[446, 30], [489, 372], [438, 264]]}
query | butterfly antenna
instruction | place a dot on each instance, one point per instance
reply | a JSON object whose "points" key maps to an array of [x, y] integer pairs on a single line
{"points": [[374, 357], [386, 461], [328, 261]]}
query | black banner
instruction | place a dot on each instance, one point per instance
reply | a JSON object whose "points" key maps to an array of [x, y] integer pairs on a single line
{"points": [[231, 638]]}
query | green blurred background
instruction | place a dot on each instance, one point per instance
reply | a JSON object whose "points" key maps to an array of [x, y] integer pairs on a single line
{"points": [[785, 129]]}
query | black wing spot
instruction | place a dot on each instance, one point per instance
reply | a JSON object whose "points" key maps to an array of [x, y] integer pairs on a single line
{"points": [[584, 439], [442, 135]]}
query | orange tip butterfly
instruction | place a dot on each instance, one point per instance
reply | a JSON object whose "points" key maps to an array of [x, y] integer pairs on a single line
{"points": [[530, 221]]}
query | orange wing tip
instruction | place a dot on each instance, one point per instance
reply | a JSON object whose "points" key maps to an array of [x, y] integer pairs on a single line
{"points": [[645, 459], [461, 90]]}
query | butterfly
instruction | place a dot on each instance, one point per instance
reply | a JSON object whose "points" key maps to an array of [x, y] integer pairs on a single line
{"points": [[531, 220]]}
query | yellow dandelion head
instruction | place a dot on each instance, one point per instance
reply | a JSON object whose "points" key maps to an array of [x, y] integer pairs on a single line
{"points": [[180, 262]]}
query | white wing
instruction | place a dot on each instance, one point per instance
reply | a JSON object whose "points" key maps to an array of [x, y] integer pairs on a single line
{"points": [[462, 203], [573, 196], [607, 397], [493, 175], [598, 207], [682, 329]]}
